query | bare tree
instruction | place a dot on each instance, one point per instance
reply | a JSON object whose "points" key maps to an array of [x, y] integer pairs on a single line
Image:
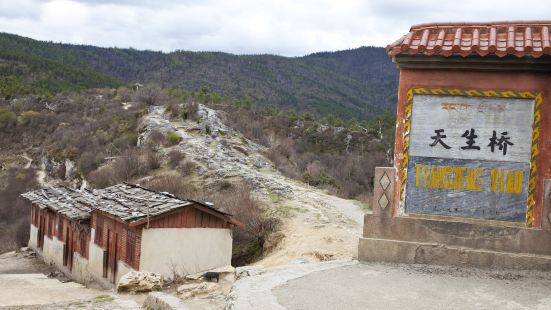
{"points": [[150, 95]]}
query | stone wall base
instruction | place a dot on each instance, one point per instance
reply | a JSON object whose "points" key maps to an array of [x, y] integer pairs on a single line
{"points": [[384, 250], [441, 240]]}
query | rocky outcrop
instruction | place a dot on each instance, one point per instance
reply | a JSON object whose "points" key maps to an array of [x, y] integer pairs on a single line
{"points": [[247, 271], [221, 152], [140, 281]]}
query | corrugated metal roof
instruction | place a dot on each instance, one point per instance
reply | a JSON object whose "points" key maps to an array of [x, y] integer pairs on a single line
{"points": [[69, 202], [518, 38]]}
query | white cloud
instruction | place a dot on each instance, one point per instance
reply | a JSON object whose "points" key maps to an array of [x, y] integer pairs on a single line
{"points": [[20, 9], [283, 27]]}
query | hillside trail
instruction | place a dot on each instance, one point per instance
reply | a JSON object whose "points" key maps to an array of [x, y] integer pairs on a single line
{"points": [[316, 226]]}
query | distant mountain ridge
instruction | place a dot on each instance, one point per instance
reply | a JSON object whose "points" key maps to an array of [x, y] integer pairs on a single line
{"points": [[356, 83]]}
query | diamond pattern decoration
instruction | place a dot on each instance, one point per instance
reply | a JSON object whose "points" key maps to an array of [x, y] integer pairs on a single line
{"points": [[384, 181], [383, 201]]}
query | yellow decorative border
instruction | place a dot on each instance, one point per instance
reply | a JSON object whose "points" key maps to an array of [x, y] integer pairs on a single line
{"points": [[477, 93]]}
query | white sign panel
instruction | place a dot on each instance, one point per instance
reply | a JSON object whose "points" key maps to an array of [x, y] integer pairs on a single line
{"points": [[496, 129], [469, 156]]}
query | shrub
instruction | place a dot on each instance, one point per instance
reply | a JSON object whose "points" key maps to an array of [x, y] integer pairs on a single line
{"points": [[190, 110], [173, 138], [174, 184], [316, 175], [149, 95], [174, 158], [127, 166], [104, 176], [7, 118], [248, 242], [26, 117], [124, 94], [174, 109], [88, 162], [153, 160], [155, 138], [188, 167]]}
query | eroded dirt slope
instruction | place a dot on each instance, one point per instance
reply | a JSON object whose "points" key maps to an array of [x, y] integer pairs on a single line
{"points": [[316, 225]]}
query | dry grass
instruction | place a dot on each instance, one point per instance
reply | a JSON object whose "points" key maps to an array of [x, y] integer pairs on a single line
{"points": [[174, 158], [174, 184], [249, 241], [132, 163], [340, 159]]}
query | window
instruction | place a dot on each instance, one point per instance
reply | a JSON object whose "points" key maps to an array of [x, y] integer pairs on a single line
{"points": [[130, 247], [98, 236]]}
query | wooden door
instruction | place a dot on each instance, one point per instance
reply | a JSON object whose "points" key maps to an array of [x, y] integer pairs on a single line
{"points": [[115, 257], [107, 254], [41, 228], [68, 253]]}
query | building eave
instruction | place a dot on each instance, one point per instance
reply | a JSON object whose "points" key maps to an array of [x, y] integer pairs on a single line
{"points": [[526, 64]]}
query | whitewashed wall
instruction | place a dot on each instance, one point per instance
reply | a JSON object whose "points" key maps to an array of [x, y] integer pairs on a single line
{"points": [[53, 251], [185, 250], [33, 237], [80, 269], [95, 258]]}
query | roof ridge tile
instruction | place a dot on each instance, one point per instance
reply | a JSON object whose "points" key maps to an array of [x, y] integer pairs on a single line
{"points": [[514, 38]]}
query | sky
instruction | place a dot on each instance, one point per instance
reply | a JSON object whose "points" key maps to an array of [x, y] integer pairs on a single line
{"points": [[282, 27]]}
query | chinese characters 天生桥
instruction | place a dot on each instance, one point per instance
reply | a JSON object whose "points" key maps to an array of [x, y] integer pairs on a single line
{"points": [[470, 135]]}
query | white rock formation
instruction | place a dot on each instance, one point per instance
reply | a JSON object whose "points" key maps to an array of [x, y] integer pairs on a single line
{"points": [[140, 281]]}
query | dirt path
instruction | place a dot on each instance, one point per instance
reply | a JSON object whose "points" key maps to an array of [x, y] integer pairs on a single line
{"points": [[22, 262], [24, 284], [317, 226]]}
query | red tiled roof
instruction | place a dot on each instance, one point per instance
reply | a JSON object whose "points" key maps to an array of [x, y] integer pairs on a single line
{"points": [[519, 38]]}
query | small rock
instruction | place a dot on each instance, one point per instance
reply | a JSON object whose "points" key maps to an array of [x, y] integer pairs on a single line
{"points": [[323, 257], [298, 261], [260, 164], [247, 271], [140, 281]]}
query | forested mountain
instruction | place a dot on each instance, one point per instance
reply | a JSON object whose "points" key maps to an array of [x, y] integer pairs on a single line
{"points": [[353, 83]]}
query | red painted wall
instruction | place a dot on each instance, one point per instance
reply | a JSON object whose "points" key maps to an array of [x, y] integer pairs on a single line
{"points": [[189, 218], [481, 80], [78, 231], [183, 218], [119, 230]]}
